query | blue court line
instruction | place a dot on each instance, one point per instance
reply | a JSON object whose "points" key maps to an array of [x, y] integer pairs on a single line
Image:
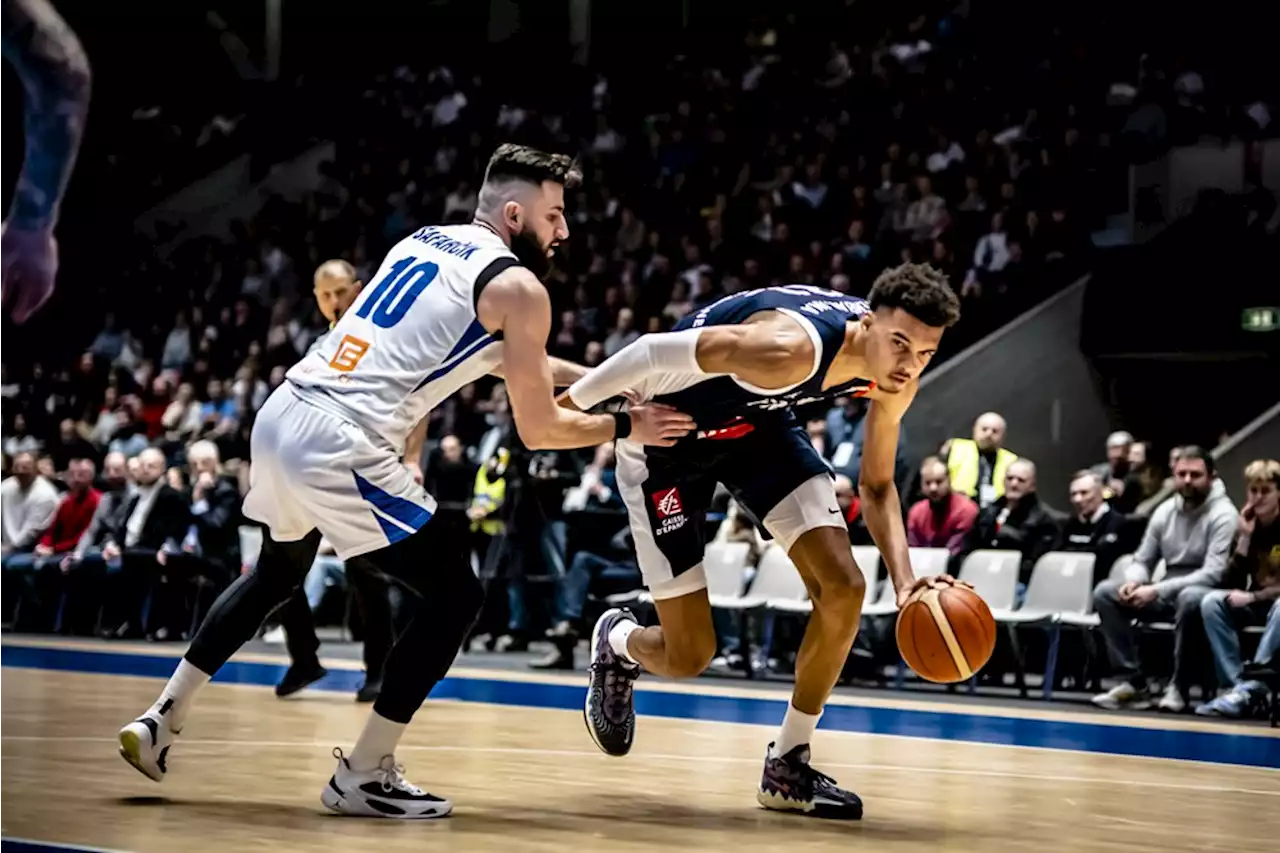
{"points": [[1241, 748]]}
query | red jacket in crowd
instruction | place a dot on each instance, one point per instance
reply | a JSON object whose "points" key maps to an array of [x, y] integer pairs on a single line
{"points": [[943, 527], [71, 521]]}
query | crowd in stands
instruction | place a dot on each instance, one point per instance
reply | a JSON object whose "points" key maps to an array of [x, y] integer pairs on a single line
{"points": [[762, 164]]}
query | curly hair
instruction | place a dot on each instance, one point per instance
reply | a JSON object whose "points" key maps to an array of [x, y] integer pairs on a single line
{"points": [[920, 290], [521, 162]]}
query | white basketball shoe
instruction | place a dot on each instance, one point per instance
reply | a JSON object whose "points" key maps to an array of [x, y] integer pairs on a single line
{"points": [[381, 792], [145, 743]]}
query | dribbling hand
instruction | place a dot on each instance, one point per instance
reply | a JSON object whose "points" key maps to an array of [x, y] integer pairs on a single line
{"points": [[658, 425], [933, 582]]}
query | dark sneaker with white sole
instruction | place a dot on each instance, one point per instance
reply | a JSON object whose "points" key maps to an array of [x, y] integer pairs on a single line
{"points": [[789, 784], [381, 792], [610, 712]]}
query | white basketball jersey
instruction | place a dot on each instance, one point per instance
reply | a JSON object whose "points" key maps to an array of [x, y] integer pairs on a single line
{"points": [[411, 338]]}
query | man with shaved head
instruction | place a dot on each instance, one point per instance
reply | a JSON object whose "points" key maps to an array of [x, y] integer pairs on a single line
{"points": [[978, 465], [1017, 520], [943, 518], [336, 288]]}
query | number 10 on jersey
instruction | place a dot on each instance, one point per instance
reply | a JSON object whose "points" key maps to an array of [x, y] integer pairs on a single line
{"points": [[392, 297]]}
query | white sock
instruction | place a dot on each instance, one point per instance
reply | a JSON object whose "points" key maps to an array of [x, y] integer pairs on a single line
{"points": [[378, 740], [797, 728], [618, 638], [175, 699]]}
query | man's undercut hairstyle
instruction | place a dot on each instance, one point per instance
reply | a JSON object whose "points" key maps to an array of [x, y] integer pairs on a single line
{"points": [[522, 163], [920, 290]]}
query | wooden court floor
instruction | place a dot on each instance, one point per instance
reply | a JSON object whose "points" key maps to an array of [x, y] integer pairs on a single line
{"points": [[248, 772]]}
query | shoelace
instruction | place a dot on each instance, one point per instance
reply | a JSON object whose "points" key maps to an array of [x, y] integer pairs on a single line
{"points": [[618, 686], [392, 778], [826, 780], [817, 777], [390, 774]]}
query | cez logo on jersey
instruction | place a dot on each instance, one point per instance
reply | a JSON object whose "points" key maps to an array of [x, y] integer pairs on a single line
{"points": [[669, 509], [348, 354]]}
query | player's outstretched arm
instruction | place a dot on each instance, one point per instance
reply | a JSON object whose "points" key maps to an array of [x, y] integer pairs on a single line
{"points": [[517, 304], [881, 505], [775, 353]]}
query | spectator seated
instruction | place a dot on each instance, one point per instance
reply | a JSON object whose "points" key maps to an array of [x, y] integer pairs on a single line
{"points": [[1093, 526], [1017, 520], [1251, 596], [1192, 533], [944, 518]]}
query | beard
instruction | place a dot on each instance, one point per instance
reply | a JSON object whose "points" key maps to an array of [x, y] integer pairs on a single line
{"points": [[531, 254], [1193, 496]]}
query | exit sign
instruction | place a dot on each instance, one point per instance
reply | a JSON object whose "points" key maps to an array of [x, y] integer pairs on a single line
{"points": [[1260, 319]]}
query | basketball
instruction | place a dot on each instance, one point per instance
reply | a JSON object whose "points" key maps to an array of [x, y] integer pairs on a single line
{"points": [[946, 633]]}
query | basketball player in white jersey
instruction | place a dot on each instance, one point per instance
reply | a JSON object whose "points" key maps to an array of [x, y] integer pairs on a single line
{"points": [[448, 305]]}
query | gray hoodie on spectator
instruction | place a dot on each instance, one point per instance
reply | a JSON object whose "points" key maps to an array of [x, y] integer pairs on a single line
{"points": [[1194, 543]]}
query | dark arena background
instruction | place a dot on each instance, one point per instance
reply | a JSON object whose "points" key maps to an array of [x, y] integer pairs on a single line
{"points": [[1097, 180]]}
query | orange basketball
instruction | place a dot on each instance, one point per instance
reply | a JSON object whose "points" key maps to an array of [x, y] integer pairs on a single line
{"points": [[946, 633]]}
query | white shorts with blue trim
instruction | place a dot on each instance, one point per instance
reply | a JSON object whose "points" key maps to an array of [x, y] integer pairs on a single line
{"points": [[312, 469]]}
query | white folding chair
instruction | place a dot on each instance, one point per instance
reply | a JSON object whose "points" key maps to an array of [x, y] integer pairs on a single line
{"points": [[1061, 586], [777, 584], [924, 562], [725, 564], [994, 576], [929, 561], [1059, 593]]}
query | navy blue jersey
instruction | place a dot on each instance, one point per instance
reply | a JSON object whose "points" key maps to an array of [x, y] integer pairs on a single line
{"points": [[723, 406]]}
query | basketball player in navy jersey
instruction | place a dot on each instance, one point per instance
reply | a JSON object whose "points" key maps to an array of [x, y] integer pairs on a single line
{"points": [[738, 367]]}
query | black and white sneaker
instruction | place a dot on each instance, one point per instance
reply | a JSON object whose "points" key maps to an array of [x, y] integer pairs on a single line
{"points": [[145, 743], [381, 792], [610, 711], [789, 784]]}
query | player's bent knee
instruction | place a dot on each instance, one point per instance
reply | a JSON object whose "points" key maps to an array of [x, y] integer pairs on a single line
{"points": [[692, 656], [275, 585], [688, 633], [839, 596]]}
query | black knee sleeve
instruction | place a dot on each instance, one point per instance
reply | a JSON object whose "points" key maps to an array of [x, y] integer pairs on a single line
{"points": [[238, 613], [449, 601]]}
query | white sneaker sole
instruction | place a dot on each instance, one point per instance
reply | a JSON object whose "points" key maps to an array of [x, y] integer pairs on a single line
{"points": [[778, 803], [335, 802], [135, 748]]}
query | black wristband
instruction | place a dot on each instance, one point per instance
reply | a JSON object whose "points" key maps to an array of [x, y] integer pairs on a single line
{"points": [[621, 424]]}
